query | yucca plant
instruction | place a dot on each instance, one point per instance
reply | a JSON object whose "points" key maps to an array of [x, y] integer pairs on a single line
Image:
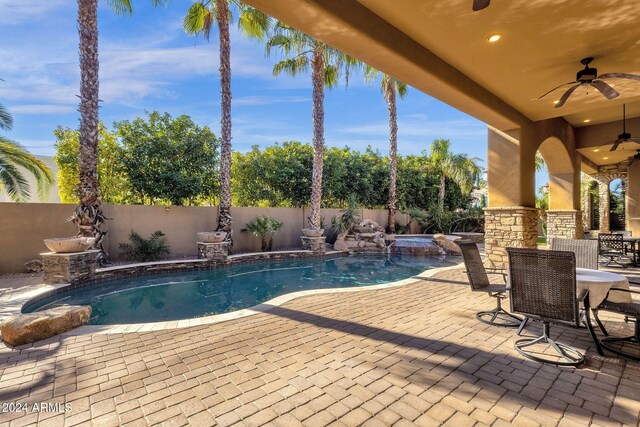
{"points": [[350, 216], [264, 227], [142, 249]]}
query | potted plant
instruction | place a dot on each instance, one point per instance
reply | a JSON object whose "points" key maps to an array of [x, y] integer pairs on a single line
{"points": [[264, 227]]}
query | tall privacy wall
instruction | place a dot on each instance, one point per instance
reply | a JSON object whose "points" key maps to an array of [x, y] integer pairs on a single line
{"points": [[23, 227]]}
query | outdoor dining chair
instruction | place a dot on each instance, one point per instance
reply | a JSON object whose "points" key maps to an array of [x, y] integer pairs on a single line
{"points": [[631, 311], [479, 281], [586, 251], [542, 286], [611, 245]]}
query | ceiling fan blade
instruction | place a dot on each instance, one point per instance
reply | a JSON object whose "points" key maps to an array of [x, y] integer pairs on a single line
{"points": [[615, 145], [619, 76], [557, 87], [480, 4], [634, 140], [566, 95], [605, 89]]}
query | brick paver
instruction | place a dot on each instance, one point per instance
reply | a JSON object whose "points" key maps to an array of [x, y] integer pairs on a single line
{"points": [[411, 355]]}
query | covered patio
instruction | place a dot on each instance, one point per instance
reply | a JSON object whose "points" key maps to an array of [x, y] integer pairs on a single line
{"points": [[443, 49]]}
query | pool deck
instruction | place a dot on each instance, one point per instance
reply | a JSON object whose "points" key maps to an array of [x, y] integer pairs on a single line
{"points": [[405, 355]]}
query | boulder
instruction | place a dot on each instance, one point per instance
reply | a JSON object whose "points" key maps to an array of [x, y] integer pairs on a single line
{"points": [[32, 327], [34, 266], [448, 243]]}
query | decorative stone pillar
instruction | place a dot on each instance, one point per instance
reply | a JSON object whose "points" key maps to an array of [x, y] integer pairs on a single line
{"points": [[217, 252], [314, 244], [69, 267], [604, 208], [508, 226], [564, 224]]}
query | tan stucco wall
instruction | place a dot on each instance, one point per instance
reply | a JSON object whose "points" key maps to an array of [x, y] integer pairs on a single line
{"points": [[633, 198], [24, 226]]}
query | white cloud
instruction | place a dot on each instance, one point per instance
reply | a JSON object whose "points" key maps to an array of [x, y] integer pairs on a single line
{"points": [[267, 100], [42, 109], [420, 128], [17, 12]]}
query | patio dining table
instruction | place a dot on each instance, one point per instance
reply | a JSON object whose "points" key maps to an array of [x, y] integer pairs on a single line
{"points": [[599, 283]]}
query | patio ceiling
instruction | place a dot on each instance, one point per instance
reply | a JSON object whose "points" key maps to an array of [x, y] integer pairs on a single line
{"points": [[441, 48]]}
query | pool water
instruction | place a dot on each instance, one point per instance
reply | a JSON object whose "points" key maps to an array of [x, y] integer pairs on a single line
{"points": [[186, 295]]}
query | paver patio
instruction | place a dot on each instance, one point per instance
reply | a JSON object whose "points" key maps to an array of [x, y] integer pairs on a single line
{"points": [[411, 355]]}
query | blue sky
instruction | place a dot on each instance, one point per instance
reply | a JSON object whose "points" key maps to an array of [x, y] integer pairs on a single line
{"points": [[148, 63]]}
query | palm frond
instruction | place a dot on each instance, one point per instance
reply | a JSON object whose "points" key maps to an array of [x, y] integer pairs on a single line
{"points": [[13, 182], [199, 19], [292, 66], [6, 120], [121, 7], [253, 22]]}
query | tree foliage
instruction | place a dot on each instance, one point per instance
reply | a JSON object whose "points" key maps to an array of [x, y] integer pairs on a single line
{"points": [[114, 184], [169, 160]]}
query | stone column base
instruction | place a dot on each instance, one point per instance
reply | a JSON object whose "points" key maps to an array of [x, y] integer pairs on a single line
{"points": [[564, 224], [70, 267], [508, 227], [314, 244], [213, 251]]}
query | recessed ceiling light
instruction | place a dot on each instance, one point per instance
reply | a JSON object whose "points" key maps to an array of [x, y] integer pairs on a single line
{"points": [[494, 37], [596, 150], [605, 158], [587, 120], [556, 101]]}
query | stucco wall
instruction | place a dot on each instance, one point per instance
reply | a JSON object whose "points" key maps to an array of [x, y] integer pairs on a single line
{"points": [[24, 226]]}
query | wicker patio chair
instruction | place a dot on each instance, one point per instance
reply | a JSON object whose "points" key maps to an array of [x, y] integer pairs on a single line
{"points": [[611, 245], [586, 251], [542, 286], [479, 281], [631, 311]]}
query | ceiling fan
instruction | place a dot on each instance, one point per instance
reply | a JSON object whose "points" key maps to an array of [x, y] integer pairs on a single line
{"points": [[589, 77], [624, 136], [480, 4]]}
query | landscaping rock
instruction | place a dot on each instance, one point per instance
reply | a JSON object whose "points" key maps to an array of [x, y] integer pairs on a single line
{"points": [[34, 266], [32, 327], [448, 243]]}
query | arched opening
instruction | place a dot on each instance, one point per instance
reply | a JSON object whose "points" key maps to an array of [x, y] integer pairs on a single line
{"points": [[616, 205], [593, 195], [563, 188]]}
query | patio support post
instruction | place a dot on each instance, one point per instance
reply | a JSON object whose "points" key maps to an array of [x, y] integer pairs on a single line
{"points": [[603, 188], [564, 224], [510, 220]]}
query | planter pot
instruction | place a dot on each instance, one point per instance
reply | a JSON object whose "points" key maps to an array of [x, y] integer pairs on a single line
{"points": [[69, 244], [310, 232], [211, 236]]}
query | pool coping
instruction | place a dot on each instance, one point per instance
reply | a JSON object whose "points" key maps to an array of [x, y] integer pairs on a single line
{"points": [[12, 305]]}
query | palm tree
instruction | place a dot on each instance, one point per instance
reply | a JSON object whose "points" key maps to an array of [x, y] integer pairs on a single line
{"points": [[12, 157], [264, 227], [301, 52], [390, 87], [200, 19], [540, 164], [459, 168], [88, 215]]}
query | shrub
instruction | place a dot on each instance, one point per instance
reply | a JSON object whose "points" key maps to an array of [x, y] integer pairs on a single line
{"points": [[142, 249], [264, 227]]}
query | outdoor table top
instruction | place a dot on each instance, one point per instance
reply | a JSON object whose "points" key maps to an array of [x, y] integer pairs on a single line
{"points": [[598, 283]]}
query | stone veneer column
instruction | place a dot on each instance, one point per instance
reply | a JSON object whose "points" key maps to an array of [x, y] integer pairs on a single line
{"points": [[213, 251], [603, 189], [69, 267], [564, 224], [508, 226], [314, 244]]}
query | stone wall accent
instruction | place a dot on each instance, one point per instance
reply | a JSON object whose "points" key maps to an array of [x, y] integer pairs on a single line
{"points": [[70, 267], [32, 327], [604, 176], [314, 244], [564, 224], [217, 252], [509, 226]]}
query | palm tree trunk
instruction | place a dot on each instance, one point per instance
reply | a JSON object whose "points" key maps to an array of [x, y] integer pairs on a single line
{"points": [[393, 158], [88, 216], [441, 193], [224, 216], [317, 77]]}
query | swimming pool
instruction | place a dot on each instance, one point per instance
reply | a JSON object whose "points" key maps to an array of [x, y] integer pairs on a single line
{"points": [[192, 294]]}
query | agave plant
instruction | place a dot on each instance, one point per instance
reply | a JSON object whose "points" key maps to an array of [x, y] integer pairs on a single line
{"points": [[350, 216], [264, 227]]}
